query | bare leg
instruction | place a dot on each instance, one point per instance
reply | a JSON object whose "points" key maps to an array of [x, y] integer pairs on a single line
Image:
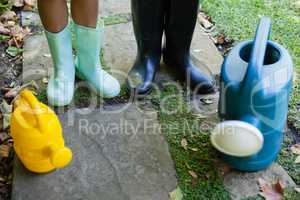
{"points": [[54, 14], [85, 12]]}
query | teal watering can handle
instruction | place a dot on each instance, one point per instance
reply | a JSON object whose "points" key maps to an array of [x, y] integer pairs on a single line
{"points": [[258, 52]]}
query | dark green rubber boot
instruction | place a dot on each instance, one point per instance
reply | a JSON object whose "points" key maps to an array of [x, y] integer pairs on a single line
{"points": [[181, 19]]}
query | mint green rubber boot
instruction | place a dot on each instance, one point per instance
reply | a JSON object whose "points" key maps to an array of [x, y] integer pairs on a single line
{"points": [[87, 62], [61, 84]]}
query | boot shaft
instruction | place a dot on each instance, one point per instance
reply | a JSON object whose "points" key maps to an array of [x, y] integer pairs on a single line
{"points": [[89, 42], [180, 22], [60, 46], [148, 23]]}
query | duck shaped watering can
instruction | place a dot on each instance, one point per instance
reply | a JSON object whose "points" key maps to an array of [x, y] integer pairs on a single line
{"points": [[37, 135], [256, 80]]}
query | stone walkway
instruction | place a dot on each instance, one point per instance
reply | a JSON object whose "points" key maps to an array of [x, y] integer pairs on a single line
{"points": [[131, 161]]}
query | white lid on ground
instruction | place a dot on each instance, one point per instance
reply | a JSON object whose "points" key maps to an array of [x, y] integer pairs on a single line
{"points": [[237, 138]]}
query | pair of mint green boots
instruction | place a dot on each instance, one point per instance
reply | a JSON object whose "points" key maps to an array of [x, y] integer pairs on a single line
{"points": [[86, 65]]}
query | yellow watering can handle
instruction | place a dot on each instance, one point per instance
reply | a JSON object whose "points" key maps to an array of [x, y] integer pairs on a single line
{"points": [[35, 106]]}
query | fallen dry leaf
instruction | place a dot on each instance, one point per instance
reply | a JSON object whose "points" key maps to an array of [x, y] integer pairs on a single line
{"points": [[184, 144], [194, 149], [47, 55], [27, 8], [3, 30], [279, 187], [29, 2], [296, 149], [176, 194], [224, 169], [204, 21], [4, 150], [193, 174], [221, 39], [6, 110], [19, 34], [12, 93], [4, 136], [26, 4], [16, 30], [297, 161], [10, 24], [45, 80], [8, 15], [271, 191]]}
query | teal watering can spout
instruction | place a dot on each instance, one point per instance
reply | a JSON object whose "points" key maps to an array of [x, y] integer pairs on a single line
{"points": [[256, 80], [258, 53]]}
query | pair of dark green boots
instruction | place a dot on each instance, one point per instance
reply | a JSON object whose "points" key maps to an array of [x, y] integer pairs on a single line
{"points": [[177, 19]]}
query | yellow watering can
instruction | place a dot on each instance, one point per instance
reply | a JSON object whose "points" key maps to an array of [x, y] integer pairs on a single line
{"points": [[37, 135]]}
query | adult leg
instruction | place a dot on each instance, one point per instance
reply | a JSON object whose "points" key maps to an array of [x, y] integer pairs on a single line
{"points": [[54, 15], [180, 24], [148, 22], [89, 34]]}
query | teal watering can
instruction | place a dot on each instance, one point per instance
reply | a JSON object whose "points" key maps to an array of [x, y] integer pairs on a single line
{"points": [[256, 81]]}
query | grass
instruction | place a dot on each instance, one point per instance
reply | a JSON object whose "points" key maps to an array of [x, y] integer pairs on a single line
{"points": [[238, 19], [200, 157], [116, 19], [5, 5], [286, 159]]}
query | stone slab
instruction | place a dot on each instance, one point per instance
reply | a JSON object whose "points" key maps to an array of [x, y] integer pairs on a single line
{"points": [[29, 18], [205, 53], [118, 154], [242, 185], [37, 62], [119, 49], [114, 7]]}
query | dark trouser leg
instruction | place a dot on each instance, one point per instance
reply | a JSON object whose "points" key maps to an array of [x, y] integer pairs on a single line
{"points": [[180, 24], [148, 23]]}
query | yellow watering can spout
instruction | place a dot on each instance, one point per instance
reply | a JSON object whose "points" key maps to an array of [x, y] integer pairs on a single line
{"points": [[37, 134], [60, 157]]}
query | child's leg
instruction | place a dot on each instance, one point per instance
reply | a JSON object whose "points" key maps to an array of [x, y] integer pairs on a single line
{"points": [[85, 12], [54, 14], [89, 41]]}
